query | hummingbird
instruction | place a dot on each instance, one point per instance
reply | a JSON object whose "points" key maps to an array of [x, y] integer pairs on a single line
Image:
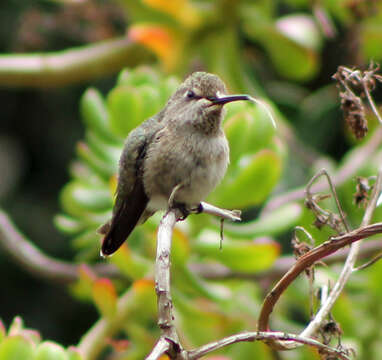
{"points": [[173, 159]]}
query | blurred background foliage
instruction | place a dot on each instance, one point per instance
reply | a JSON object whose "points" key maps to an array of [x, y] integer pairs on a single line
{"points": [[284, 52]]}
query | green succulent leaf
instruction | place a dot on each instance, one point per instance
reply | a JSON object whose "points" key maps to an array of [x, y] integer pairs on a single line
{"points": [[239, 255], [253, 183], [74, 354], [49, 350], [248, 129], [16, 347], [272, 224], [291, 55], [77, 198], [131, 263], [2, 331], [105, 297], [95, 115], [68, 224]]}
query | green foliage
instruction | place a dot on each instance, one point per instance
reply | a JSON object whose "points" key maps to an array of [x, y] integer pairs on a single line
{"points": [[87, 200], [88, 197], [258, 158], [243, 42], [20, 343]]}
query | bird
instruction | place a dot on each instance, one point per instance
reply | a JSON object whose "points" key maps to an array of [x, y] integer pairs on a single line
{"points": [[173, 159]]}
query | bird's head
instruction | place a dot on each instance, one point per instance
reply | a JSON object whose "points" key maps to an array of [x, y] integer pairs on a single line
{"points": [[199, 101]]}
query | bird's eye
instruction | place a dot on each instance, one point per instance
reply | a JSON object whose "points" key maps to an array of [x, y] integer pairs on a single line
{"points": [[190, 94]]}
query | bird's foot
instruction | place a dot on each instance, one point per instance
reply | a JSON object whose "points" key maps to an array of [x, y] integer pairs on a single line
{"points": [[184, 210], [198, 209]]}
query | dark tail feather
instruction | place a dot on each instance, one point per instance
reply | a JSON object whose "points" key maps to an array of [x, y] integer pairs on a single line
{"points": [[125, 220]]}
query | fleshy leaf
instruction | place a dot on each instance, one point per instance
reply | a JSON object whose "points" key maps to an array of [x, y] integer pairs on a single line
{"points": [[2, 331], [95, 115], [16, 326], [253, 183], [273, 223], [302, 29], [77, 198], [16, 348], [239, 255], [141, 76], [67, 224], [248, 129], [144, 299], [125, 106], [83, 288], [291, 59], [105, 297], [74, 353], [130, 263], [49, 350], [101, 167]]}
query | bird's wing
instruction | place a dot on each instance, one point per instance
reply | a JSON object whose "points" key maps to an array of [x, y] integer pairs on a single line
{"points": [[131, 199]]}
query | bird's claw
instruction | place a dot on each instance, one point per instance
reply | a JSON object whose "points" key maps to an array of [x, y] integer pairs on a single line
{"points": [[183, 209]]}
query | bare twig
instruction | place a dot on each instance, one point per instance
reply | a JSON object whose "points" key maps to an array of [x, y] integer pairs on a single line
{"points": [[324, 21], [233, 215], [69, 66], [169, 341], [316, 254], [264, 336], [162, 276], [309, 196], [368, 263], [309, 259], [39, 264], [281, 265], [347, 270], [162, 288], [160, 348], [300, 228], [371, 102]]}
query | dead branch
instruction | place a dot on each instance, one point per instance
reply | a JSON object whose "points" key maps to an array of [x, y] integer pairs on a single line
{"points": [[265, 336], [315, 255]]}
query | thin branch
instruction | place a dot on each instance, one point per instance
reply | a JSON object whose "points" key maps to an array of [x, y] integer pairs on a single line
{"points": [[316, 254], [160, 348], [368, 263], [333, 190], [69, 66], [309, 259], [371, 102], [168, 342], [324, 21], [162, 289], [36, 262], [347, 270], [233, 215], [300, 228], [281, 265], [264, 336], [162, 276]]}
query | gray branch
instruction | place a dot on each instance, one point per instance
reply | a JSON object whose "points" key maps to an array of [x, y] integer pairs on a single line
{"points": [[30, 257], [71, 65], [265, 336]]}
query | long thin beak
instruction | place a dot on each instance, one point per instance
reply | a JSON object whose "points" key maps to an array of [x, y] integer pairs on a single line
{"points": [[226, 99]]}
